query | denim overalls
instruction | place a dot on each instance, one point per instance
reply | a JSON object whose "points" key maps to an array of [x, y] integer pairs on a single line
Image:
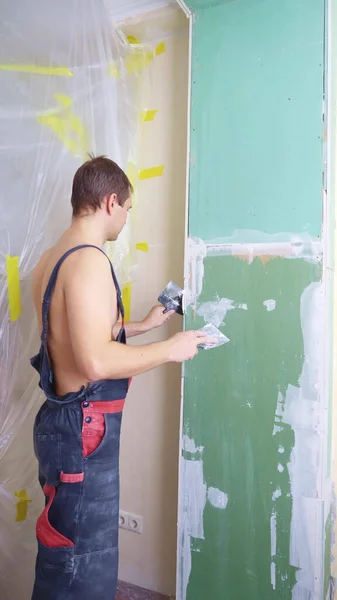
{"points": [[76, 441]]}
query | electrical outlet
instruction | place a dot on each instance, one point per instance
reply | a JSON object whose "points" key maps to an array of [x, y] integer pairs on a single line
{"points": [[123, 520], [130, 522]]}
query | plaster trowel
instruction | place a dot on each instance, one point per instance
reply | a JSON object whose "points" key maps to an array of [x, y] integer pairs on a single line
{"points": [[172, 298]]}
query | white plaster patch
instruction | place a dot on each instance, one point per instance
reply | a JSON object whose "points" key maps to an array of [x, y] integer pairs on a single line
{"points": [[273, 534], [277, 494], [280, 468], [216, 311], [189, 445], [194, 502], [270, 305], [217, 498], [281, 449], [194, 271], [242, 306], [304, 408], [273, 575]]}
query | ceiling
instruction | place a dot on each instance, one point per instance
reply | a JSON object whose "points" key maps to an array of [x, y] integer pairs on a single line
{"points": [[123, 9]]}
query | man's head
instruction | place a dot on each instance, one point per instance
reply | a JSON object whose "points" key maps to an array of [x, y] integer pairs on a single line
{"points": [[100, 185]]}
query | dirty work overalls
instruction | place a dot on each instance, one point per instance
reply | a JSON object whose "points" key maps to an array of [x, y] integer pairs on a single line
{"points": [[76, 441]]}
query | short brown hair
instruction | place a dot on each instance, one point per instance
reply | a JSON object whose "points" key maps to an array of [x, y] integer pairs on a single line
{"points": [[94, 180]]}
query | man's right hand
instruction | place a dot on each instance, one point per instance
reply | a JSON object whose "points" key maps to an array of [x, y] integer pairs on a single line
{"points": [[184, 346]]}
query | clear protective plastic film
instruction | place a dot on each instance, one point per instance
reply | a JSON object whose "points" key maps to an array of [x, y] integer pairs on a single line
{"points": [[66, 90]]}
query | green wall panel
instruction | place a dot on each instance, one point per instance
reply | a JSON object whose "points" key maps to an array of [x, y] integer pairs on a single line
{"points": [[231, 396], [256, 125]]}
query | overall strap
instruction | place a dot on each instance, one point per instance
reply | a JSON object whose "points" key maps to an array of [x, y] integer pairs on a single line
{"points": [[52, 281]]}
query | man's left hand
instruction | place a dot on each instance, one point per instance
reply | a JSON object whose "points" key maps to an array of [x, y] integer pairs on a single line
{"points": [[157, 317]]}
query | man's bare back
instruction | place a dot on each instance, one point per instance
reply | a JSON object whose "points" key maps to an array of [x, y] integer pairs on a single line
{"points": [[67, 375]]}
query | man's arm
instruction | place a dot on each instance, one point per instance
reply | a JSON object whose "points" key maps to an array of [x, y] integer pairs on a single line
{"points": [[154, 319], [90, 297]]}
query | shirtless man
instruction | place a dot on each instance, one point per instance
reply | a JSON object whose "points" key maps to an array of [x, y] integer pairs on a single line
{"points": [[85, 370]]}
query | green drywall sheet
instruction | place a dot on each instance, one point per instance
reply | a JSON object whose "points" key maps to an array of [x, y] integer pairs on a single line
{"points": [[256, 122], [231, 397]]}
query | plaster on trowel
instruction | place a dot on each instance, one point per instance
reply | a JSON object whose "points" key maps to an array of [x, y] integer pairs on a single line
{"points": [[213, 332], [172, 298]]}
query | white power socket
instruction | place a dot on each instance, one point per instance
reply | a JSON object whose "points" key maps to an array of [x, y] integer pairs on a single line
{"points": [[130, 522]]}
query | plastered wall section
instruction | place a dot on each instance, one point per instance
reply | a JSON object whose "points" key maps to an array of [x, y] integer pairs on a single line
{"points": [[150, 433]]}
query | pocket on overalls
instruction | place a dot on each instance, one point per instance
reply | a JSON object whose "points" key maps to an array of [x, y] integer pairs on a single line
{"points": [[54, 573], [94, 434], [56, 526]]}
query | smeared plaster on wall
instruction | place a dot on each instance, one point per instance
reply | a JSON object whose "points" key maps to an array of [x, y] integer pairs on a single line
{"points": [[195, 254], [270, 304], [189, 445], [277, 494], [215, 312], [273, 575], [304, 408], [266, 247], [194, 502], [217, 498], [273, 544]]}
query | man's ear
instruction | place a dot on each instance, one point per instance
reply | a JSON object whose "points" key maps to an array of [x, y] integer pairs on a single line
{"points": [[111, 202]]}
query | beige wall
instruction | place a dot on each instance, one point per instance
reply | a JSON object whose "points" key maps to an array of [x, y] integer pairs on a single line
{"points": [[150, 435]]}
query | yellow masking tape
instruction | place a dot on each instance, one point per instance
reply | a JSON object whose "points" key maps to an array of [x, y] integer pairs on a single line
{"points": [[148, 115], [113, 70], [135, 62], [63, 71], [13, 280], [22, 505], [67, 126], [132, 39], [126, 299], [160, 48], [152, 172], [142, 246], [64, 100]]}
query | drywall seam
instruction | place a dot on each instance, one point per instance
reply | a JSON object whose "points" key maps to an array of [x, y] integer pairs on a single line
{"points": [[329, 199], [296, 247], [180, 540]]}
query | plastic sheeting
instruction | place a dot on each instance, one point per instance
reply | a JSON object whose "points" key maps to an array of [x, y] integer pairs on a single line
{"points": [[68, 86]]}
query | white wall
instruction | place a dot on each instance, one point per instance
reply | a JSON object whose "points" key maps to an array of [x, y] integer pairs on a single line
{"points": [[150, 435]]}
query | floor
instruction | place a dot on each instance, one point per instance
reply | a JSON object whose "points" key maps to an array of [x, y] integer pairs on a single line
{"points": [[130, 592]]}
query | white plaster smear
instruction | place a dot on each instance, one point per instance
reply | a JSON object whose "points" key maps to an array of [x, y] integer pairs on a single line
{"points": [[273, 575], [304, 408], [216, 311], [277, 494], [270, 304], [217, 498], [273, 544], [193, 504]]}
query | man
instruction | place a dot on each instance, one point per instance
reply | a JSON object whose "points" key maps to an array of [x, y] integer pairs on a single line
{"points": [[85, 368]]}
